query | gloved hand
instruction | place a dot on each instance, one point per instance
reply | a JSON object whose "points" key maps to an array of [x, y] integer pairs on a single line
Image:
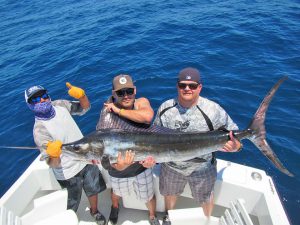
{"points": [[75, 92], [54, 148]]}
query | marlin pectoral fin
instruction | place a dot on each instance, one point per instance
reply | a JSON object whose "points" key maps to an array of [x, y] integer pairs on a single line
{"points": [[223, 128]]}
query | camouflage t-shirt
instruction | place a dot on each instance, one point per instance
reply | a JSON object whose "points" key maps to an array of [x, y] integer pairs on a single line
{"points": [[191, 120]]}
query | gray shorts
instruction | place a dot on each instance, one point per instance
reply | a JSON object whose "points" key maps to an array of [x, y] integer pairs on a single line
{"points": [[141, 184], [201, 182], [89, 178]]}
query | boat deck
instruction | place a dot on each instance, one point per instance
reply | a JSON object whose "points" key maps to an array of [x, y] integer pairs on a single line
{"points": [[127, 215], [36, 195]]}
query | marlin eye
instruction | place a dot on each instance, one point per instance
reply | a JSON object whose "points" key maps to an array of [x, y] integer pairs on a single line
{"points": [[76, 147]]}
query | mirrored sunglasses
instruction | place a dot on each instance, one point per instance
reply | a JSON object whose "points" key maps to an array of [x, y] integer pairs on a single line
{"points": [[125, 91], [37, 99]]}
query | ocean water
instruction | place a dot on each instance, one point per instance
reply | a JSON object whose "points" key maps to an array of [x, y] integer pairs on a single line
{"points": [[241, 48]]}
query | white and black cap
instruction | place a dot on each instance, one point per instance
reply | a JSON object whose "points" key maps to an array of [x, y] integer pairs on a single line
{"points": [[32, 91]]}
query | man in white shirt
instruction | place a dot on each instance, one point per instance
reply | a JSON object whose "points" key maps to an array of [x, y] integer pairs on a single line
{"points": [[55, 126]]}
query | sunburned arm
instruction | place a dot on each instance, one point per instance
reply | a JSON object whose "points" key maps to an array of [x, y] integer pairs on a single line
{"points": [[143, 112], [84, 102]]}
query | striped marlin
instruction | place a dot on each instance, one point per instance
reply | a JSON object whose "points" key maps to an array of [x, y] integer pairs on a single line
{"points": [[166, 145]]}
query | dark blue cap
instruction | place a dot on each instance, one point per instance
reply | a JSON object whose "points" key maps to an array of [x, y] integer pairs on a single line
{"points": [[189, 74]]}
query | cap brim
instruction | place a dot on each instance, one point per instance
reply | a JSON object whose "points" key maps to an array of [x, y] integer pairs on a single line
{"points": [[129, 86]]}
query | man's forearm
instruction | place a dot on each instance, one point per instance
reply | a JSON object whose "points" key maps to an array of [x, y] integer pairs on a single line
{"points": [[139, 116], [84, 102], [53, 162]]}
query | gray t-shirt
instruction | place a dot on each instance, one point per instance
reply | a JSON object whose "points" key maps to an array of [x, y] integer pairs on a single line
{"points": [[191, 120]]}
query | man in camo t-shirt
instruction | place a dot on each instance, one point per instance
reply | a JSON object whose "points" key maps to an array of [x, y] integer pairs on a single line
{"points": [[55, 126], [190, 112]]}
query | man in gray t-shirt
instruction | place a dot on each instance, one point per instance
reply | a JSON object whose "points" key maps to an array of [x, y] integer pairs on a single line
{"points": [[191, 112]]}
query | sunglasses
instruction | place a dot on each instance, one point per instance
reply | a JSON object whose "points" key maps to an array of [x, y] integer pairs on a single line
{"points": [[125, 91], [37, 99], [192, 86]]}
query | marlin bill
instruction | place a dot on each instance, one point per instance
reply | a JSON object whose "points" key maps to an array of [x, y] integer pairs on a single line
{"points": [[169, 145]]}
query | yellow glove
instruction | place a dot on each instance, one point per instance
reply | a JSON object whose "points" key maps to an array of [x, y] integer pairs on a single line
{"points": [[54, 149], [75, 92]]}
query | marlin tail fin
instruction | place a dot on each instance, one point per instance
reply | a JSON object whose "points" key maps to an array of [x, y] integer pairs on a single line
{"points": [[257, 126]]}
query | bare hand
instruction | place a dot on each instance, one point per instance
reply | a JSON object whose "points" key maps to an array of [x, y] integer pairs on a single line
{"points": [[149, 162], [110, 107], [232, 145], [95, 162], [123, 162]]}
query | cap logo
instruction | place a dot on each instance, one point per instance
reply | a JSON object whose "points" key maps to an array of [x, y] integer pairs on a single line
{"points": [[123, 80], [188, 77], [34, 88]]}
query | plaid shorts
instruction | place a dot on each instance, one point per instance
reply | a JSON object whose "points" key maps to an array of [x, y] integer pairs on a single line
{"points": [[141, 184], [89, 178], [201, 182]]}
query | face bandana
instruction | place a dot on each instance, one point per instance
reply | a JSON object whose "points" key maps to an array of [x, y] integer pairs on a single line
{"points": [[43, 110]]}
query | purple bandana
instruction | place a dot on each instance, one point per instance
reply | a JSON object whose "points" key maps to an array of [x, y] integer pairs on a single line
{"points": [[43, 110]]}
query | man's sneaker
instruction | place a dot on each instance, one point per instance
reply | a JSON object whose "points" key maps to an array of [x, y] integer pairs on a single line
{"points": [[154, 221], [166, 220], [113, 217], [100, 219]]}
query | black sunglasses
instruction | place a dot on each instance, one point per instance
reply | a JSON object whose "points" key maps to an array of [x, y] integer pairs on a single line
{"points": [[192, 86], [125, 91]]}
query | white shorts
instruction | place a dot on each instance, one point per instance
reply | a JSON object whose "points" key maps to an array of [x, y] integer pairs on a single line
{"points": [[141, 184]]}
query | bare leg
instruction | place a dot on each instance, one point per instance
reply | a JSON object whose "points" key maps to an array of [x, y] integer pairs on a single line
{"points": [[208, 206], [115, 199], [170, 201], [100, 219], [114, 212], [93, 203], [151, 205]]}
